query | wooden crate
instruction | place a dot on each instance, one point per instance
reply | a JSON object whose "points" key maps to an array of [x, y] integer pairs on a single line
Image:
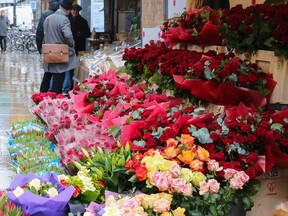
{"points": [[277, 66]]}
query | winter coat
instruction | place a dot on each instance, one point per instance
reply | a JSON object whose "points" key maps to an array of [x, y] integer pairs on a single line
{"points": [[81, 31], [57, 30], [40, 32], [3, 26]]}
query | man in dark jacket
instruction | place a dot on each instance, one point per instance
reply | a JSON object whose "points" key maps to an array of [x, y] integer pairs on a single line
{"points": [[80, 28], [53, 6]]}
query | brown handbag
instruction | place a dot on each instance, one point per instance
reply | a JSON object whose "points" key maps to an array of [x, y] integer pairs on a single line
{"points": [[55, 53]]}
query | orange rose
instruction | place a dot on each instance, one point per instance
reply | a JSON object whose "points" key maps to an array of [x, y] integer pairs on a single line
{"points": [[171, 152], [171, 143], [202, 154], [187, 139], [186, 156], [141, 172]]}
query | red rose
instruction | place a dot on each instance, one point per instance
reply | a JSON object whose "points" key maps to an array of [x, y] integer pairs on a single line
{"points": [[284, 141], [251, 138], [245, 128], [239, 139], [260, 132], [215, 136], [252, 158], [251, 173], [151, 143]]}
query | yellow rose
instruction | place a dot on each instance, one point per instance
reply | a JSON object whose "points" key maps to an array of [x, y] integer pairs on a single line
{"points": [[148, 201], [186, 174], [179, 212], [165, 196], [166, 214], [197, 177]]}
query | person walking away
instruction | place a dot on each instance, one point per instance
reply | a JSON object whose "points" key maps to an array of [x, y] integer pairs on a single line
{"points": [[81, 31], [53, 6], [3, 30], [57, 30]]}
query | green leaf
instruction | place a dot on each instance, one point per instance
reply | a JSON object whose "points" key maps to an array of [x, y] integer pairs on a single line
{"points": [[90, 196], [133, 179], [114, 130], [248, 203], [277, 126], [136, 114]]}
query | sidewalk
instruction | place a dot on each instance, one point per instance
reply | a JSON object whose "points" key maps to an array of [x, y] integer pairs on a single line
{"points": [[20, 76]]}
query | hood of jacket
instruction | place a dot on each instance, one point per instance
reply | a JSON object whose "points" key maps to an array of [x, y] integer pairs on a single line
{"points": [[54, 5]]}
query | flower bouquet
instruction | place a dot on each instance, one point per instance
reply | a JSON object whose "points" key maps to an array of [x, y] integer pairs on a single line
{"points": [[194, 26], [258, 27], [39, 195], [199, 180], [135, 204], [208, 77]]}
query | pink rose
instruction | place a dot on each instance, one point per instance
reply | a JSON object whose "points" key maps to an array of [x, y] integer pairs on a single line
{"points": [[163, 182], [130, 203], [244, 177], [204, 187], [187, 189], [213, 186], [161, 205], [229, 173], [236, 183], [175, 170], [176, 185], [213, 165]]}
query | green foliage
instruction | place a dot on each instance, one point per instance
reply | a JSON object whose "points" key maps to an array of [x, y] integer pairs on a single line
{"points": [[110, 167]]}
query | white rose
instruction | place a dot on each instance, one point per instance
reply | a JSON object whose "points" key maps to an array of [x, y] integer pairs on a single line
{"points": [[36, 183], [52, 192], [18, 191]]}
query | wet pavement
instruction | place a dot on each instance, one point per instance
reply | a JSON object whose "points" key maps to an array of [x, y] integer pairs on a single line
{"points": [[20, 76]]}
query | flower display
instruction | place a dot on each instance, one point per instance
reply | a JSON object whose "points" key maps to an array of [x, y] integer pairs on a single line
{"points": [[200, 182], [207, 77], [88, 185], [38, 97], [194, 26], [257, 27], [43, 194]]}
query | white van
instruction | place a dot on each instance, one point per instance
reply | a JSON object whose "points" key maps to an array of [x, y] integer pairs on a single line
{"points": [[24, 16]]}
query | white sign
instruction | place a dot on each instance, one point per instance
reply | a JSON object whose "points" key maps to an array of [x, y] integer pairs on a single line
{"points": [[97, 15]]}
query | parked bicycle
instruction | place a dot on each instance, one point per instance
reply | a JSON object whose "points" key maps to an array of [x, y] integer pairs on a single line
{"points": [[21, 40]]}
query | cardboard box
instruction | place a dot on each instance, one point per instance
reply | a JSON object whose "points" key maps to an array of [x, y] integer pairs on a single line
{"points": [[273, 190], [278, 67]]}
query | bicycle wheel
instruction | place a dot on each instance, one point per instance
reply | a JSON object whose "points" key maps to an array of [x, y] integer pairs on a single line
{"points": [[19, 44], [31, 46]]}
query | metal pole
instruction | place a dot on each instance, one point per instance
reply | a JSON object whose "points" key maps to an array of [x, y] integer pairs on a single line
{"points": [[14, 13]]}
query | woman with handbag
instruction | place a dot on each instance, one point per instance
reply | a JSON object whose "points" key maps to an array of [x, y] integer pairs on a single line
{"points": [[57, 30]]}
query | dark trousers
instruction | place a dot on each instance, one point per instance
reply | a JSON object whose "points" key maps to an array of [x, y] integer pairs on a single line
{"points": [[3, 42], [57, 83]]}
